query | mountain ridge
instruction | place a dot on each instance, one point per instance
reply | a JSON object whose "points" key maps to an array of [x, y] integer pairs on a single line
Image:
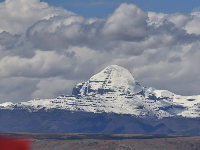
{"points": [[115, 90]]}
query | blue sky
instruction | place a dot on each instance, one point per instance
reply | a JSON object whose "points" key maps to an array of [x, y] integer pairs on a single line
{"points": [[102, 8]]}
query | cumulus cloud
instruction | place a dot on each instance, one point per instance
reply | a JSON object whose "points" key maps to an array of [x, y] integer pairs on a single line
{"points": [[18, 15], [192, 26], [60, 86], [16, 89], [178, 19], [7, 40], [46, 50], [128, 23], [43, 65]]}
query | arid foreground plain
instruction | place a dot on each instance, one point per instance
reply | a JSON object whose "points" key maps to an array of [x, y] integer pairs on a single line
{"points": [[109, 141]]}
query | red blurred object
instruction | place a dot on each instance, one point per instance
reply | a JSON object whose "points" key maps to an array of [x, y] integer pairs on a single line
{"points": [[7, 143]]}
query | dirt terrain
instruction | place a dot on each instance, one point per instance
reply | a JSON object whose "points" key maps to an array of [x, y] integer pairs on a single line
{"points": [[109, 142]]}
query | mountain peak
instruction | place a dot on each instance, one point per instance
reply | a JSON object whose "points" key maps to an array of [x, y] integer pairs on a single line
{"points": [[111, 79], [114, 89], [115, 67]]}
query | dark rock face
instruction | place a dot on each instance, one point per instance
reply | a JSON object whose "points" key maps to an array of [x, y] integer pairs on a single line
{"points": [[76, 90], [62, 121]]}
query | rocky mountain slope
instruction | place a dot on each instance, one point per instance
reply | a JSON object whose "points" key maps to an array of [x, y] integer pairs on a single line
{"points": [[115, 90]]}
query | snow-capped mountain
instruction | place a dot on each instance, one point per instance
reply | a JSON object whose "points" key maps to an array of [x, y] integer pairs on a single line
{"points": [[113, 79], [115, 90]]}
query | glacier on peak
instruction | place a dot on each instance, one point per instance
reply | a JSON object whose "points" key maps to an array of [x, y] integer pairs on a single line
{"points": [[112, 79]]}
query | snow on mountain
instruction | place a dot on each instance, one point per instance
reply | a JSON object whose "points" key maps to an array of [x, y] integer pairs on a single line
{"points": [[115, 90], [6, 104], [112, 79]]}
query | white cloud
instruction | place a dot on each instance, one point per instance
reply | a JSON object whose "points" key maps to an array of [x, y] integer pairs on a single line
{"points": [[128, 22], [53, 87], [16, 89], [156, 19], [180, 20], [43, 64], [18, 15], [57, 47], [192, 27]]}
